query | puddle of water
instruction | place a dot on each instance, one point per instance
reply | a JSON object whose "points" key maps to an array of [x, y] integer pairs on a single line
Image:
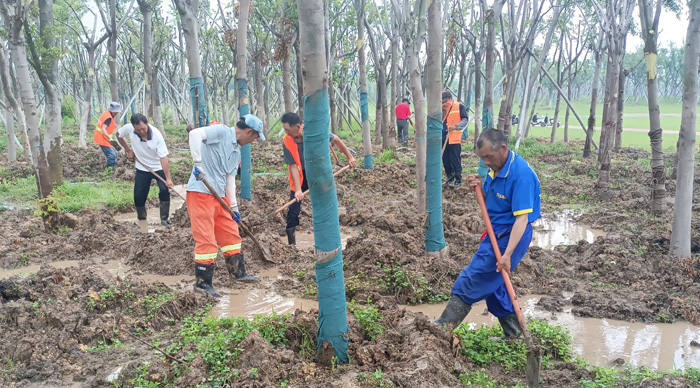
{"points": [[152, 222], [661, 346], [250, 302], [561, 229]]}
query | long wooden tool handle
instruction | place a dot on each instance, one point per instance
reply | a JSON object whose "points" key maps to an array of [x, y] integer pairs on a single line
{"points": [[228, 209], [160, 178], [291, 202], [506, 276]]}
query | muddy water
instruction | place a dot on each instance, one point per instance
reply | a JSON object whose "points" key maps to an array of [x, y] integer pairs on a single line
{"points": [[152, 222], [561, 229], [600, 341], [305, 238], [250, 302]]}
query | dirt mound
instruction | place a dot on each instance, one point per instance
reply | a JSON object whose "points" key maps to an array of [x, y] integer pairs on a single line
{"points": [[69, 325]]}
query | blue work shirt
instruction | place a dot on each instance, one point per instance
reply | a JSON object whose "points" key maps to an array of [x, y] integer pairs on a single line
{"points": [[220, 157], [514, 191]]}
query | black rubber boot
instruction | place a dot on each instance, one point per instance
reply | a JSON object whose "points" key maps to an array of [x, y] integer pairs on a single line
{"points": [[291, 238], [141, 213], [204, 274], [236, 267], [454, 313], [164, 213], [511, 326], [457, 180]]}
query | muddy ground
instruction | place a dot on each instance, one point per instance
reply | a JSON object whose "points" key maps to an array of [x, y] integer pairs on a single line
{"points": [[64, 326]]}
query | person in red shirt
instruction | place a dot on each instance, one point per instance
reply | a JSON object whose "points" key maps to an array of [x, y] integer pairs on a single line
{"points": [[403, 117]]}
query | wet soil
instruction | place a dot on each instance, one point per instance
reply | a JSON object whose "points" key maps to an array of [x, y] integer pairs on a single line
{"points": [[621, 272]]}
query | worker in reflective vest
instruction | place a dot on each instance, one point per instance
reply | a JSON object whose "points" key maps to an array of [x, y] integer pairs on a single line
{"points": [[293, 148], [104, 129], [454, 121]]}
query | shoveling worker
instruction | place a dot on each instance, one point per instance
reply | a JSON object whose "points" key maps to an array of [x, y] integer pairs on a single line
{"points": [[403, 117], [216, 153], [148, 145], [512, 193], [106, 125], [454, 121], [293, 147]]}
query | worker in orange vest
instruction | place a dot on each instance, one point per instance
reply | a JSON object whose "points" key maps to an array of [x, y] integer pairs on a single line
{"points": [[454, 121], [293, 147], [106, 125]]}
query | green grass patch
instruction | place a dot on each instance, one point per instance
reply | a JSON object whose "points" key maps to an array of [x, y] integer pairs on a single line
{"points": [[476, 345], [72, 197], [387, 156], [369, 318]]}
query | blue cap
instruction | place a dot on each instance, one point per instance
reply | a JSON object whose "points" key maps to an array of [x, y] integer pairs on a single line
{"points": [[255, 124]]}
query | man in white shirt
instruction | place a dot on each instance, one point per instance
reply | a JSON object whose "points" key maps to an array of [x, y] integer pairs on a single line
{"points": [[148, 145]]}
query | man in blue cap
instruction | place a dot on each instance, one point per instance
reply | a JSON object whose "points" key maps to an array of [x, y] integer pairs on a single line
{"points": [[216, 152], [512, 193]]}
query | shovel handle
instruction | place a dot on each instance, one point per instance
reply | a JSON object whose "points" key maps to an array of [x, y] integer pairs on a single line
{"points": [[291, 202], [506, 277], [158, 177]]}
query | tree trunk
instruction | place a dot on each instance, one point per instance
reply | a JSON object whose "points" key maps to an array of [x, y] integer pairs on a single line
{"points": [[364, 102], [598, 53], [494, 15], [534, 107], [243, 98], [683, 209], [332, 316], [568, 109], [9, 122], [259, 89], [434, 233], [13, 106], [188, 19], [155, 102], [112, 45], [477, 97], [300, 83], [620, 108], [26, 92], [607, 135], [650, 26], [394, 85], [558, 104], [287, 84]]}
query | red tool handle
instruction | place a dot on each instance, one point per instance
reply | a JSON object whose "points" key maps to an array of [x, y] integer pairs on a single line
{"points": [[497, 251]]}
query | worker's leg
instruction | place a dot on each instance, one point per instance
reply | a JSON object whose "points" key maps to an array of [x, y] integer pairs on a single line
{"points": [[229, 239], [499, 303], [142, 184], [110, 154], [293, 214], [164, 197], [456, 162], [202, 210], [446, 161]]}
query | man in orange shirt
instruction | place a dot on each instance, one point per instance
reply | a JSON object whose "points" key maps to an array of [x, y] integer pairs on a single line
{"points": [[454, 121], [106, 125]]}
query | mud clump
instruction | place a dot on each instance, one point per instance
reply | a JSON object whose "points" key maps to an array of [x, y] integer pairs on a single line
{"points": [[73, 325]]}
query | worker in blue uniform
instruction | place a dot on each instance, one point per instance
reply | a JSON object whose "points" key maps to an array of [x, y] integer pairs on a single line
{"points": [[512, 193]]}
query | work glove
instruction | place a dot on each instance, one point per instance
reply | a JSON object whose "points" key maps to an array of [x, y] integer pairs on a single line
{"points": [[198, 174], [236, 216]]}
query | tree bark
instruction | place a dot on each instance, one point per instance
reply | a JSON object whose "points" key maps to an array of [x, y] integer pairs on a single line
{"points": [[332, 315], [300, 83], [650, 26], [13, 106], [394, 84], [112, 45], [364, 101], [487, 115], [14, 28], [243, 96], [434, 233], [9, 122], [683, 209], [598, 53]]}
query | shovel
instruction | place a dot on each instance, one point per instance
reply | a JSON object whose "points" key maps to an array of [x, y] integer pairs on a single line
{"points": [[534, 353], [291, 202], [264, 248]]}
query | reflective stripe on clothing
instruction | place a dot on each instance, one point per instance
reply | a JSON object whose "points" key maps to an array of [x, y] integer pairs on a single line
{"points": [[99, 137], [212, 227]]}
